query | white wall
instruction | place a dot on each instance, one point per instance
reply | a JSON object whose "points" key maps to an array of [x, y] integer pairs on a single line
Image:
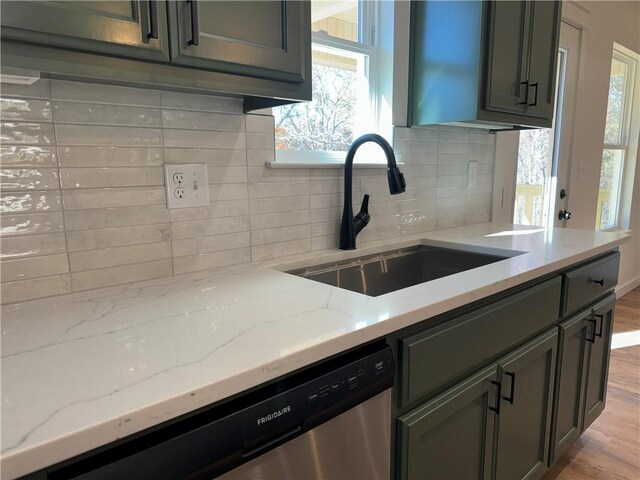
{"points": [[603, 23]]}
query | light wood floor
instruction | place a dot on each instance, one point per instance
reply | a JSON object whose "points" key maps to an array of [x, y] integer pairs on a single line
{"points": [[610, 448]]}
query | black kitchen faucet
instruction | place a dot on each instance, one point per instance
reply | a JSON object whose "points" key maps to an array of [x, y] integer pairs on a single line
{"points": [[351, 226]]}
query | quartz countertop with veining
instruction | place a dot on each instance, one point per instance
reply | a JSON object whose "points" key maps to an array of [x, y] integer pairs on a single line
{"points": [[82, 370]]}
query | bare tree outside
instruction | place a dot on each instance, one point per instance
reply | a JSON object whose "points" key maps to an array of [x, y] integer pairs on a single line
{"points": [[327, 122]]}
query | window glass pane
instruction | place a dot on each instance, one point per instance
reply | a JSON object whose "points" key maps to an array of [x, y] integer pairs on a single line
{"points": [[339, 108], [615, 107], [610, 184], [535, 155], [338, 19]]}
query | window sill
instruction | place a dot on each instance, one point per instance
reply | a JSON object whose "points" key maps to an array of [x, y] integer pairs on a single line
{"points": [[323, 165]]}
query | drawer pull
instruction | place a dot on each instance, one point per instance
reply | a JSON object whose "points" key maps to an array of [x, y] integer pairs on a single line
{"points": [[498, 397], [153, 19], [513, 387], [194, 23], [599, 333], [593, 338], [599, 282]]}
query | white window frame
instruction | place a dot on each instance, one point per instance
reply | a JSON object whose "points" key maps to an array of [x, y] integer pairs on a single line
{"points": [[628, 143], [368, 17]]}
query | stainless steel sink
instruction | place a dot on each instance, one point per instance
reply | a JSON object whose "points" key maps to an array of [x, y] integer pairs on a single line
{"points": [[386, 272]]}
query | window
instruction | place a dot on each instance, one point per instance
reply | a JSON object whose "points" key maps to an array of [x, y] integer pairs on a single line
{"points": [[617, 136], [345, 59]]}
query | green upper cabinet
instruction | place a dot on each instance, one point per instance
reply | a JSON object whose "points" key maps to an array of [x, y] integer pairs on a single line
{"points": [[136, 29], [251, 38], [506, 66], [258, 50], [489, 64]]}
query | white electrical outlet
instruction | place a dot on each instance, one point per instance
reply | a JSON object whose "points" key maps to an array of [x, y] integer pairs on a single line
{"points": [[186, 185], [472, 174]]}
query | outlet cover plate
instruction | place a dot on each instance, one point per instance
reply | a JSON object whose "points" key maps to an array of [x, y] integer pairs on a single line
{"points": [[186, 185]]}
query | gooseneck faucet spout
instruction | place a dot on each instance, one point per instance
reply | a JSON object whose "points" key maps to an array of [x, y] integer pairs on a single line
{"points": [[351, 226]]}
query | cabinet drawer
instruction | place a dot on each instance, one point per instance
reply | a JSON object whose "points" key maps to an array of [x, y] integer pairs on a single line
{"points": [[588, 282], [435, 357]]}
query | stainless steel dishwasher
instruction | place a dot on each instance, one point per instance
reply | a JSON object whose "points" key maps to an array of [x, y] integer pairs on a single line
{"points": [[329, 421]]}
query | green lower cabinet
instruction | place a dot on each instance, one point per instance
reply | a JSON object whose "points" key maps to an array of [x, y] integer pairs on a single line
{"points": [[599, 351], [451, 436], [524, 423], [581, 378], [570, 382]]}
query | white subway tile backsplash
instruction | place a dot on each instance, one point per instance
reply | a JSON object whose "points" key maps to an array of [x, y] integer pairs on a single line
{"points": [[280, 234], [214, 243], [32, 245], [27, 156], [270, 190], [260, 141], [83, 187], [114, 256], [30, 223], [204, 261], [103, 277], [111, 176], [260, 123], [275, 205], [281, 249], [213, 158], [25, 109], [117, 236], [217, 209], [264, 175], [211, 226], [35, 288], [101, 114], [203, 139], [33, 267], [218, 175], [97, 218], [28, 179], [69, 134], [26, 133], [71, 156], [272, 220], [112, 197], [202, 120]]}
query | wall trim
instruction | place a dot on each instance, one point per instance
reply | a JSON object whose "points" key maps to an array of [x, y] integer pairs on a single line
{"points": [[622, 290]]}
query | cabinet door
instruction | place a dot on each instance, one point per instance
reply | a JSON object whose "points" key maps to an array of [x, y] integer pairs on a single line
{"points": [[259, 39], [123, 28], [543, 58], [525, 417], [598, 353], [451, 436], [507, 33], [570, 382]]}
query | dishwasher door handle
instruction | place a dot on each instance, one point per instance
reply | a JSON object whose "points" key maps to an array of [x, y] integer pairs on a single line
{"points": [[273, 441]]}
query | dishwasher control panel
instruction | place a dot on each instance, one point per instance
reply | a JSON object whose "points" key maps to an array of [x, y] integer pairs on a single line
{"points": [[339, 388]]}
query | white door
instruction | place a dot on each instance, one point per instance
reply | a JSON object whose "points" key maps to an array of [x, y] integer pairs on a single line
{"points": [[544, 155]]}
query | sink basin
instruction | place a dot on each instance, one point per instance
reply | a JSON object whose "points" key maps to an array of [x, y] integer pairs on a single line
{"points": [[393, 270]]}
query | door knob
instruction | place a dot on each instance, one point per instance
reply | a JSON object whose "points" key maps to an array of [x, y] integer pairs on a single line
{"points": [[564, 215], [563, 194]]}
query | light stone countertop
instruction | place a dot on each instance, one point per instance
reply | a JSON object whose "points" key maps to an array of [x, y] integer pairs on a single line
{"points": [[85, 369]]}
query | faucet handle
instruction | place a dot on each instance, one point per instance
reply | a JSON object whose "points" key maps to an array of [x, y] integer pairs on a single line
{"points": [[362, 217], [364, 208]]}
